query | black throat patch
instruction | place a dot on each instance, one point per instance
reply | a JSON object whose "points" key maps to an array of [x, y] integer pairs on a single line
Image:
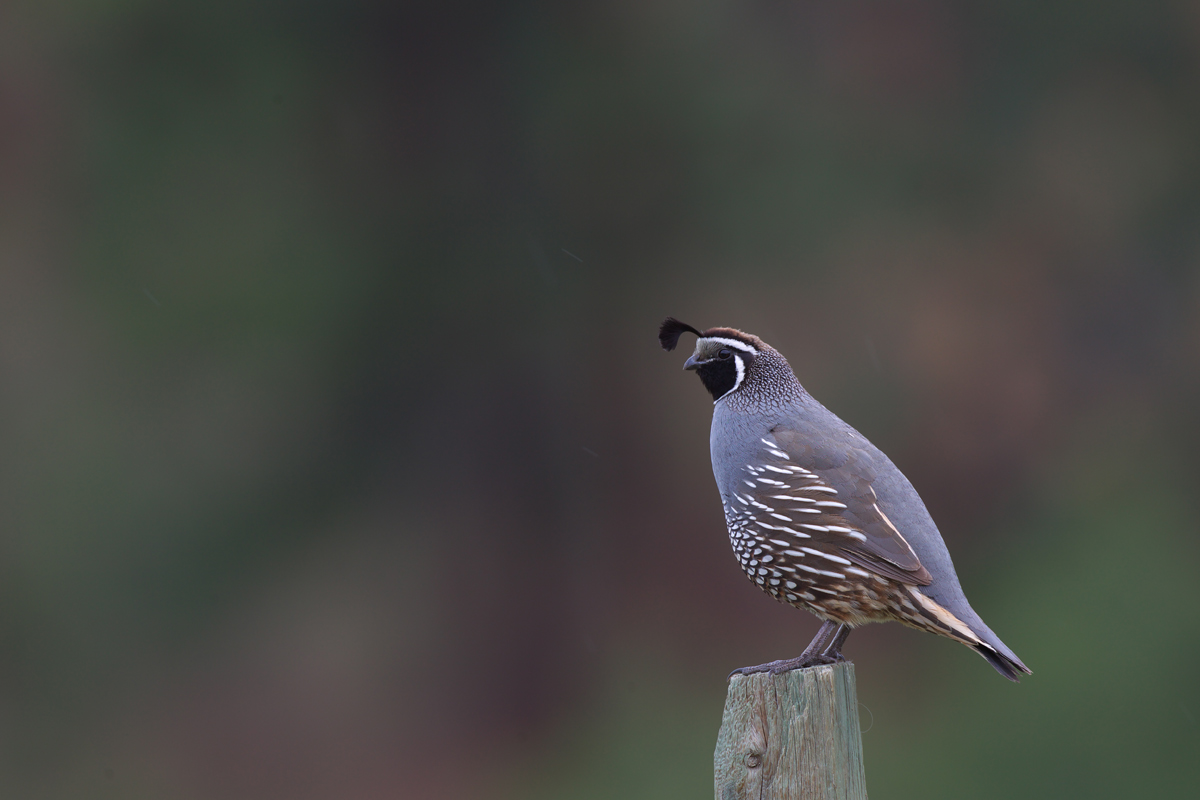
{"points": [[719, 377]]}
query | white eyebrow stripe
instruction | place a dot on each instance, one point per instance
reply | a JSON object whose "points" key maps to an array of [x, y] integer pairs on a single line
{"points": [[734, 343]]}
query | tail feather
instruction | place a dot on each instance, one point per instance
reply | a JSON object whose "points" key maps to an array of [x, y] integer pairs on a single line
{"points": [[977, 636], [1011, 668]]}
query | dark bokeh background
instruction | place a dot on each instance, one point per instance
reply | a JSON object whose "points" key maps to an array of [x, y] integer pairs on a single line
{"points": [[338, 458]]}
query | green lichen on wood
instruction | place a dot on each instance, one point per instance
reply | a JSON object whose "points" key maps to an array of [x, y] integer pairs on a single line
{"points": [[792, 736]]}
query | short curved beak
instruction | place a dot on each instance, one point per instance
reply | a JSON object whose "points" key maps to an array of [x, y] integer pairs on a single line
{"points": [[693, 363]]}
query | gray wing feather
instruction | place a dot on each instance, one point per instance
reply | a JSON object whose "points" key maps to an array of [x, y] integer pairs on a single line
{"points": [[850, 472]]}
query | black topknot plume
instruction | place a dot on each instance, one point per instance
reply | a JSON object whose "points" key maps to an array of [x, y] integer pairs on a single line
{"points": [[671, 330]]}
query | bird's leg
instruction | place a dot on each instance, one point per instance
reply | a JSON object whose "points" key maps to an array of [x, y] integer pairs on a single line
{"points": [[820, 650], [817, 647], [834, 649]]}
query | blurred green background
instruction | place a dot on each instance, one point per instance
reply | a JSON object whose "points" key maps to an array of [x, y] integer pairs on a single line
{"points": [[338, 458]]}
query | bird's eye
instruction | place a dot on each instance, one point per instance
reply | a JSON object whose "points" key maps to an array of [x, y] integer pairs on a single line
{"points": [[724, 353]]}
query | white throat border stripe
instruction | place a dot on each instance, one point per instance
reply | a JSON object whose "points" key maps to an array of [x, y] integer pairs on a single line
{"points": [[741, 375], [734, 343]]}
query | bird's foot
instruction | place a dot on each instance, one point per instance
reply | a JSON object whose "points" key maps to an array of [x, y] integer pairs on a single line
{"points": [[789, 664]]}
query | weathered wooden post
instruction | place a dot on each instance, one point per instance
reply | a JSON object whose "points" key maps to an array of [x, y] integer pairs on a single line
{"points": [[792, 736]]}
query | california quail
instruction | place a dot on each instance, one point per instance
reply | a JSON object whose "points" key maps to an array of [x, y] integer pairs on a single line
{"points": [[818, 517]]}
